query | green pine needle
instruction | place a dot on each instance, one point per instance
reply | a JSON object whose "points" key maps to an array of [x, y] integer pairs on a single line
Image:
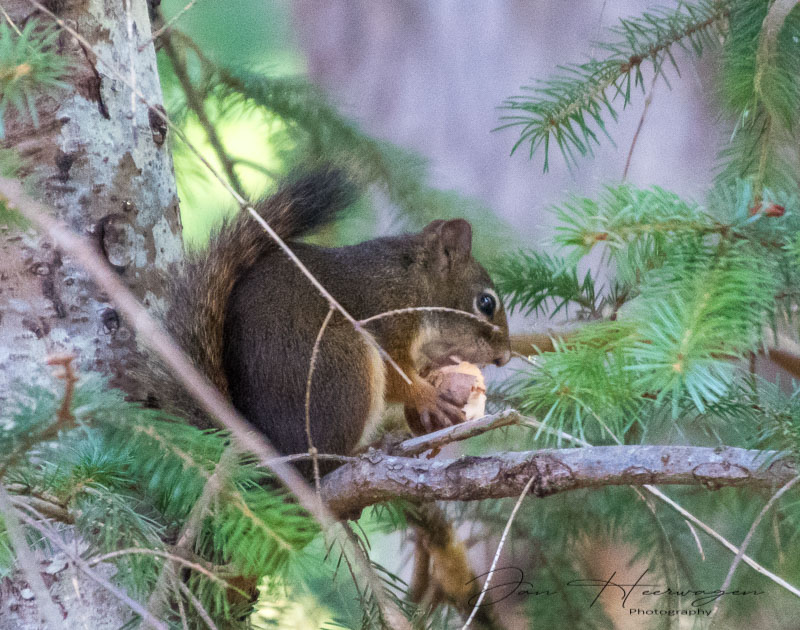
{"points": [[530, 280], [761, 91], [568, 109], [29, 67]]}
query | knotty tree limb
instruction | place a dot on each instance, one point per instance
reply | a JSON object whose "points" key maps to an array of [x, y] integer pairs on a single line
{"points": [[376, 476]]}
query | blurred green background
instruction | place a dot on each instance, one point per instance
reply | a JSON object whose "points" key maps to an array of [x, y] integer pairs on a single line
{"points": [[249, 33]]}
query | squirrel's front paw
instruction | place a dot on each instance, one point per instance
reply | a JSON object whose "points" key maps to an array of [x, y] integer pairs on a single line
{"points": [[429, 410]]}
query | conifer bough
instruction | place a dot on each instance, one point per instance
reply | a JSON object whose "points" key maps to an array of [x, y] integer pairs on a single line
{"points": [[562, 107]]}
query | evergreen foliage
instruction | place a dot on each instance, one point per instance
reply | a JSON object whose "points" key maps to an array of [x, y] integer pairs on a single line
{"points": [[568, 109], [29, 67], [128, 478], [761, 92], [659, 333], [657, 337]]}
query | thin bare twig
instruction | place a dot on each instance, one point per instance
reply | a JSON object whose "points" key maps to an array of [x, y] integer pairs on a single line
{"points": [[27, 562], [260, 168], [312, 450], [463, 431], [10, 21], [749, 537], [196, 104], [181, 608], [168, 25], [500, 546], [647, 101], [413, 309], [198, 606], [80, 564], [195, 566], [64, 417], [45, 508]]}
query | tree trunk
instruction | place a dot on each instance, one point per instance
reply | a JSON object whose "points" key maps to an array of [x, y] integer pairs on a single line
{"points": [[102, 163]]}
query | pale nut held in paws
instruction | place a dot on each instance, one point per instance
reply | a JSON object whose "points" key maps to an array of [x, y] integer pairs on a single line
{"points": [[462, 384]]}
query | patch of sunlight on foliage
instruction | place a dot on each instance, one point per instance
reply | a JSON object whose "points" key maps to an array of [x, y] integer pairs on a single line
{"points": [[204, 201], [237, 32], [276, 610]]}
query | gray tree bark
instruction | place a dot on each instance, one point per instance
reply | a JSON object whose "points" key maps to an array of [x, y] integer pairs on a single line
{"points": [[100, 158], [102, 162]]}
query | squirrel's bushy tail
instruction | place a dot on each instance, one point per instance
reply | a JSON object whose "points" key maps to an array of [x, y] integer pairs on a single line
{"points": [[199, 294]]}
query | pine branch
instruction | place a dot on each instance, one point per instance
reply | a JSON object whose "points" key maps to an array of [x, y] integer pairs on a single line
{"points": [[29, 67], [699, 306], [196, 104], [378, 477], [529, 280], [190, 531], [761, 89], [563, 108], [584, 384]]}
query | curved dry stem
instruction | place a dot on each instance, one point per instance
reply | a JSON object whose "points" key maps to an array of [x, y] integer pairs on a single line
{"points": [[312, 450], [500, 546], [27, 561], [749, 537], [413, 309]]}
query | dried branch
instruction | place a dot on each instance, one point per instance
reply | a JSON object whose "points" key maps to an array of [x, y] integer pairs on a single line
{"points": [[376, 477], [27, 562], [196, 603], [690, 518], [51, 535], [647, 102], [167, 27], [312, 450], [196, 565], [749, 537], [195, 102], [458, 432], [46, 508], [64, 417]]}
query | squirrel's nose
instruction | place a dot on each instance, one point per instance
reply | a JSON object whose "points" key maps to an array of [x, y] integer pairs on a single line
{"points": [[504, 358]]}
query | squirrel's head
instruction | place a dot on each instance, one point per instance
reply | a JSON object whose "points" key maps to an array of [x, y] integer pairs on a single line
{"points": [[459, 282]]}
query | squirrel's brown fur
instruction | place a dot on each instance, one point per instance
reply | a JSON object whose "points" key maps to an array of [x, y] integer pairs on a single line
{"points": [[249, 318]]}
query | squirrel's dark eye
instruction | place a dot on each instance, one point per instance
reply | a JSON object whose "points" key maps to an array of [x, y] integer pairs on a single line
{"points": [[486, 304]]}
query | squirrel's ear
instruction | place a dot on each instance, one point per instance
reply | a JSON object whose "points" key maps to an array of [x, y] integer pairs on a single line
{"points": [[449, 241]]}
